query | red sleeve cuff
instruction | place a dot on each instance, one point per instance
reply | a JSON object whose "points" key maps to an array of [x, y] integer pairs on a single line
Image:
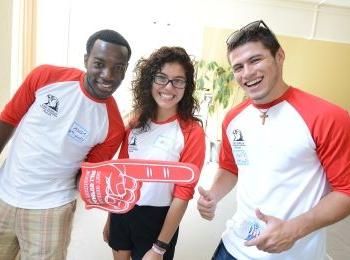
{"points": [[183, 192]]}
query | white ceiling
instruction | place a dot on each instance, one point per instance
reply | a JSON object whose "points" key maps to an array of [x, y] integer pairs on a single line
{"points": [[327, 20], [337, 3]]}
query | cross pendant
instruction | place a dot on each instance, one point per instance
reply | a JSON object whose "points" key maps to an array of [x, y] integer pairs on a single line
{"points": [[263, 116]]}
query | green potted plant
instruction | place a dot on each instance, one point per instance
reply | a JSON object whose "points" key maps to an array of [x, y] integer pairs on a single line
{"points": [[215, 80], [216, 91]]}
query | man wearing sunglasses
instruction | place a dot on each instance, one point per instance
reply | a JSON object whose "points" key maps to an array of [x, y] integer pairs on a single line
{"points": [[291, 164]]}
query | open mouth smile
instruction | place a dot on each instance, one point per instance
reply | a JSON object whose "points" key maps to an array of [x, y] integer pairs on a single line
{"points": [[253, 83], [165, 96]]}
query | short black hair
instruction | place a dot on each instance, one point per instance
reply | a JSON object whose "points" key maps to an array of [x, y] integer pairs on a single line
{"points": [[254, 33], [107, 36]]}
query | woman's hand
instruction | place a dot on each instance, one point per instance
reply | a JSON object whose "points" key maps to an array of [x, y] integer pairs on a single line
{"points": [[152, 255]]}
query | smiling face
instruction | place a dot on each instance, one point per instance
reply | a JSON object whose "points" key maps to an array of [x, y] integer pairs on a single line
{"points": [[258, 72], [105, 68], [167, 96]]}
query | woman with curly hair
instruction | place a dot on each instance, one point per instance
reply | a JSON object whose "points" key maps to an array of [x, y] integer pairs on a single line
{"points": [[163, 127]]}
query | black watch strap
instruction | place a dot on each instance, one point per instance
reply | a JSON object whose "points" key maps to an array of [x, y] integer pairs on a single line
{"points": [[161, 244]]}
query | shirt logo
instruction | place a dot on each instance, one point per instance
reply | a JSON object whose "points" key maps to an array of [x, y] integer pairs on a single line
{"points": [[133, 141], [132, 147], [237, 135], [50, 107], [238, 148]]}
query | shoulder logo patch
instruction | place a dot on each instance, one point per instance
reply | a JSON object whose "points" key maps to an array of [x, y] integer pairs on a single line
{"points": [[51, 106], [133, 140], [237, 135], [238, 148], [132, 147]]}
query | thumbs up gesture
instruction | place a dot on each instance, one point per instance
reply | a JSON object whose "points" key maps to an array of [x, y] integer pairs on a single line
{"points": [[206, 204]]}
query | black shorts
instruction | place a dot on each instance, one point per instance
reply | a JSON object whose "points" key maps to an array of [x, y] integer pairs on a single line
{"points": [[138, 229]]}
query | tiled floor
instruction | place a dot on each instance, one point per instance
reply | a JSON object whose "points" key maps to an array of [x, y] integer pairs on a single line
{"points": [[198, 238]]}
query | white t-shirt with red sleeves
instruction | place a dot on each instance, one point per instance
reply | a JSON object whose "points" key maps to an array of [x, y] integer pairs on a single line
{"points": [[171, 140], [58, 125], [286, 165]]}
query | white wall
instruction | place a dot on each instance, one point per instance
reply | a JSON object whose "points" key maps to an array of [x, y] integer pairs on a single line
{"points": [[286, 17], [5, 56], [62, 40], [65, 25], [5, 53]]}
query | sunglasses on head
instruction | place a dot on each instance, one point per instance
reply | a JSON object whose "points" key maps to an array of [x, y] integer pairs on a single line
{"points": [[251, 27]]}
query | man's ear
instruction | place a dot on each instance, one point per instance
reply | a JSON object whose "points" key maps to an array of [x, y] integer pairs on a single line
{"points": [[125, 68], [280, 56], [86, 57]]}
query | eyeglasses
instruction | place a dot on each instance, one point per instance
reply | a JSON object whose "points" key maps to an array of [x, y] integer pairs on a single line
{"points": [[163, 81], [251, 27]]}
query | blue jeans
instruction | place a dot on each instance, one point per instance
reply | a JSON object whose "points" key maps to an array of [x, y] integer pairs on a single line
{"points": [[221, 253]]}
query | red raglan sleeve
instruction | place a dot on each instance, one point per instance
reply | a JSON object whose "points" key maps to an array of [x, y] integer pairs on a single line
{"points": [[24, 97], [226, 158], [329, 126], [124, 152], [332, 137], [193, 152]]}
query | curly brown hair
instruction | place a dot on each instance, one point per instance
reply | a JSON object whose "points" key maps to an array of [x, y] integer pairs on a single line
{"points": [[144, 106]]}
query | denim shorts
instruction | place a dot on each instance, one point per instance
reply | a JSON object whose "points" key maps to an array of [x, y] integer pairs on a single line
{"points": [[221, 253]]}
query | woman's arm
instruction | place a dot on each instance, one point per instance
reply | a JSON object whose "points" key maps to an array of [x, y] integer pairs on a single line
{"points": [[171, 223]]}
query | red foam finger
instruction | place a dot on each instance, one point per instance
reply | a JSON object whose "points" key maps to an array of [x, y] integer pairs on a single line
{"points": [[115, 185], [150, 170], [108, 190]]}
